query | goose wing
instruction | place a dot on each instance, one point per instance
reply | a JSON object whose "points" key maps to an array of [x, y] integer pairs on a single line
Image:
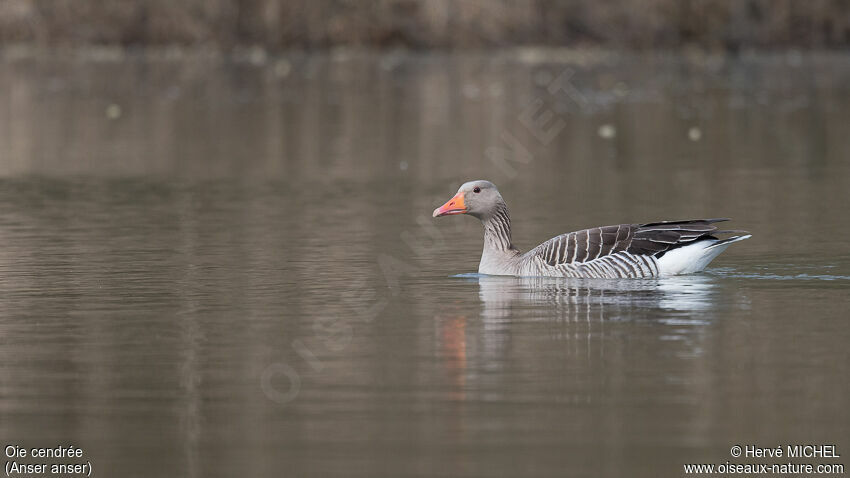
{"points": [[651, 239]]}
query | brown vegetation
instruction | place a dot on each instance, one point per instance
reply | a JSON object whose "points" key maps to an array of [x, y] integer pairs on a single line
{"points": [[282, 24]]}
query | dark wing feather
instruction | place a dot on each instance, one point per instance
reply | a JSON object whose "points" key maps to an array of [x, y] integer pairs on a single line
{"points": [[652, 239], [656, 238]]}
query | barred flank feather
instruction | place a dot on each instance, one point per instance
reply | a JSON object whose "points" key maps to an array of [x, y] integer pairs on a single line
{"points": [[624, 250]]}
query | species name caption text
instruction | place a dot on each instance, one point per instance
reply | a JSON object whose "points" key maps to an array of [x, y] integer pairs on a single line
{"points": [[35, 461], [786, 460]]}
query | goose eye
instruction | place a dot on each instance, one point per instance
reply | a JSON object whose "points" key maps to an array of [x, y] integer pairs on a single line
{"points": [[476, 190]]}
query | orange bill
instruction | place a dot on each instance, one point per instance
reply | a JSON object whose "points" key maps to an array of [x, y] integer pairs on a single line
{"points": [[454, 206]]}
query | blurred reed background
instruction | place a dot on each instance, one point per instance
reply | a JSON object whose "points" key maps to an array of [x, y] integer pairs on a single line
{"points": [[727, 25]]}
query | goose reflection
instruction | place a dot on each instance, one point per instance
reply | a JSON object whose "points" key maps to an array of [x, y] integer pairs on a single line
{"points": [[536, 323], [586, 299]]}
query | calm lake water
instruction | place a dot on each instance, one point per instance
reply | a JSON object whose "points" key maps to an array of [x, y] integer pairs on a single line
{"points": [[229, 268]]}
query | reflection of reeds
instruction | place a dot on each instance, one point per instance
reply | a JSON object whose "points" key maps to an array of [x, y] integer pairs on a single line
{"points": [[348, 116], [434, 23]]}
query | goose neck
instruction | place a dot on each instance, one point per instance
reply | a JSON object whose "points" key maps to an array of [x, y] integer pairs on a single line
{"points": [[497, 230]]}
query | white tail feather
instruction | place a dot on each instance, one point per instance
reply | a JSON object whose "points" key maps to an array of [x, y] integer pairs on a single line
{"points": [[694, 257]]}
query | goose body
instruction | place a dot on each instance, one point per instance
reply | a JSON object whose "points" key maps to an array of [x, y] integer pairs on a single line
{"points": [[620, 251]]}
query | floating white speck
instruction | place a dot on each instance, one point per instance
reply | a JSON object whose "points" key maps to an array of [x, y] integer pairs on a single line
{"points": [[282, 68], [470, 91], [113, 111], [621, 90], [402, 165], [607, 131], [694, 134], [257, 56]]}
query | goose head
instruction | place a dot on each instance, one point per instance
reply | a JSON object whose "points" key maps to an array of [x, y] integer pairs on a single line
{"points": [[479, 199]]}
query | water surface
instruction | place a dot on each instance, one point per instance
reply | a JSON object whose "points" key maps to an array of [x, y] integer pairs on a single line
{"points": [[214, 268]]}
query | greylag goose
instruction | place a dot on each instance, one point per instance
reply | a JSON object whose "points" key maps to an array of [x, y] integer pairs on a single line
{"points": [[622, 251]]}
